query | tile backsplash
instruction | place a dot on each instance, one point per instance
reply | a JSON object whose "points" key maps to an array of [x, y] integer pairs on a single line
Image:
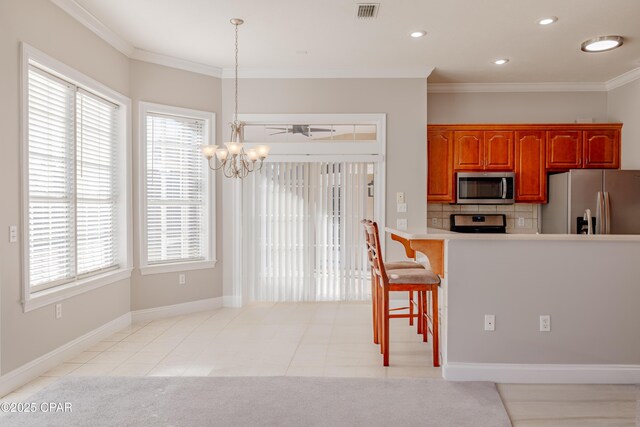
{"points": [[441, 212]]}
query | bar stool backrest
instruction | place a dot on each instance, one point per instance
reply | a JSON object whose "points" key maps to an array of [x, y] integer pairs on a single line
{"points": [[374, 250]]}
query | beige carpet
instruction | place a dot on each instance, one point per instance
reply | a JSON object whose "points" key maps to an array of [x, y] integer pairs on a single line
{"points": [[265, 401]]}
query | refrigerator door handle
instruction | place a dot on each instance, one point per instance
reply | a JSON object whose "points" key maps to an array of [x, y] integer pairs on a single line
{"points": [[600, 213], [607, 208]]}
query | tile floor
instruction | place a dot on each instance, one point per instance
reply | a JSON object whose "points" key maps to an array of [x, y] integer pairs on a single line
{"points": [[315, 339]]}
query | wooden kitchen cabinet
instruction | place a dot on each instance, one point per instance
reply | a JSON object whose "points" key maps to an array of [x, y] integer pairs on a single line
{"points": [[564, 149], [601, 148], [468, 150], [483, 150], [440, 176], [531, 175], [498, 150]]}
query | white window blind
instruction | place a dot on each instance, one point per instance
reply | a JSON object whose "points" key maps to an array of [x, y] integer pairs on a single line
{"points": [[303, 240], [96, 184], [176, 201], [72, 169]]}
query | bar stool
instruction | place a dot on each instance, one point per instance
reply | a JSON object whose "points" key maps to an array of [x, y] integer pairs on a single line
{"points": [[396, 265], [422, 281]]}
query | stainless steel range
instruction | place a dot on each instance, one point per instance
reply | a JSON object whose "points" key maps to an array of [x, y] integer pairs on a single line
{"points": [[479, 223]]}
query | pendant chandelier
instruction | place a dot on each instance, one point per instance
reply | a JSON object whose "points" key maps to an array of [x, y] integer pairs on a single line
{"points": [[234, 160]]}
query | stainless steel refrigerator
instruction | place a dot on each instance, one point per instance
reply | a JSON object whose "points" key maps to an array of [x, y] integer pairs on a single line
{"points": [[611, 196]]}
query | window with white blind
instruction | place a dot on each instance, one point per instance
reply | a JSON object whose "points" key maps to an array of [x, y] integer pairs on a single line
{"points": [[75, 174], [178, 204]]}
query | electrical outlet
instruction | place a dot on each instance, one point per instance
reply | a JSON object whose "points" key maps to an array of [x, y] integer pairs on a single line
{"points": [[434, 222], [402, 207], [58, 311], [399, 197], [489, 322], [520, 221], [182, 279], [13, 234], [545, 323], [402, 223]]}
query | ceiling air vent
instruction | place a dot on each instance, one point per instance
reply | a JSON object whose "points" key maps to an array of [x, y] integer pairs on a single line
{"points": [[368, 10]]}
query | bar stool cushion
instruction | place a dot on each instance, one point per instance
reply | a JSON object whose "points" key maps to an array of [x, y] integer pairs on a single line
{"points": [[402, 264], [413, 276]]}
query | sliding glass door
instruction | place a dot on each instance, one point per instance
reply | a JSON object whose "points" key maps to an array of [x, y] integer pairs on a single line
{"points": [[301, 231]]}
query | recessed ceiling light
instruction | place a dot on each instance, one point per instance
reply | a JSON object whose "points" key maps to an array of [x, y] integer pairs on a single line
{"points": [[548, 20], [501, 61], [417, 34], [601, 44]]}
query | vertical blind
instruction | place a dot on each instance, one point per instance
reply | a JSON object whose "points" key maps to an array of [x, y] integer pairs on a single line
{"points": [[72, 172], [303, 240], [175, 187]]}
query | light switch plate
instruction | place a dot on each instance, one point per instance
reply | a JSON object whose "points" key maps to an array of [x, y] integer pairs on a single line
{"points": [[545, 323], [520, 221], [13, 234], [402, 207], [402, 223], [489, 322], [399, 197]]}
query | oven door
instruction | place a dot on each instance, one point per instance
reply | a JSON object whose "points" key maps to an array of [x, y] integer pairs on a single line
{"points": [[485, 188]]}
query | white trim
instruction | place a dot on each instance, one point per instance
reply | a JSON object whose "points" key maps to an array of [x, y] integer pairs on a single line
{"points": [[515, 87], [31, 370], [623, 79], [210, 138], [232, 301], [177, 266], [302, 158], [330, 73], [32, 300], [84, 17], [173, 62], [63, 292], [542, 373], [149, 314]]}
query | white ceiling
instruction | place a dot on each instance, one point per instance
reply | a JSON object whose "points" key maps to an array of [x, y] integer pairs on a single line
{"points": [[464, 36]]}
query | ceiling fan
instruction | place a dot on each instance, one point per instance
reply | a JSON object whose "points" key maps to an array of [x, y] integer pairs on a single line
{"points": [[305, 130]]}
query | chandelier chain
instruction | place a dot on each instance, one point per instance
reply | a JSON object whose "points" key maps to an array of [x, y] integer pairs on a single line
{"points": [[236, 80]]}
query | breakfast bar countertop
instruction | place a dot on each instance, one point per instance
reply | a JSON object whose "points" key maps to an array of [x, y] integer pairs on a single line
{"points": [[427, 233]]}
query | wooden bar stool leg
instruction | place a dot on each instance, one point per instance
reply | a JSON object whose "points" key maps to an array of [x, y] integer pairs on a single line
{"points": [[420, 312], [410, 308], [424, 320], [385, 328], [374, 307], [436, 325], [381, 316]]}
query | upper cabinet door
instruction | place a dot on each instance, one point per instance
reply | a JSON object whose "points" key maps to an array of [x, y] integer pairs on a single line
{"points": [[469, 150], [564, 149], [440, 166], [602, 149], [531, 176], [498, 149]]}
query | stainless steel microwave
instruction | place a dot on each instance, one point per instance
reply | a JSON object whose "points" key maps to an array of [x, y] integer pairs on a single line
{"points": [[485, 188]]}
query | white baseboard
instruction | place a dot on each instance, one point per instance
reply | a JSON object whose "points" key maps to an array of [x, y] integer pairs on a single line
{"points": [[175, 309], [232, 301], [32, 370], [542, 374]]}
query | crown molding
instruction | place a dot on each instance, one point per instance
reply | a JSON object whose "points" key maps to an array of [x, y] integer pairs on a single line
{"points": [[623, 79], [515, 87], [173, 62], [329, 73], [84, 17]]}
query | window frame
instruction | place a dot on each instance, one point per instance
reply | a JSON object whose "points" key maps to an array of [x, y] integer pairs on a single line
{"points": [[33, 299], [209, 117]]}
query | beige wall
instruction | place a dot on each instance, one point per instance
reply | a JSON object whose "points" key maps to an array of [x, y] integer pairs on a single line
{"points": [[497, 107], [590, 290], [403, 100], [624, 106], [26, 336], [163, 85]]}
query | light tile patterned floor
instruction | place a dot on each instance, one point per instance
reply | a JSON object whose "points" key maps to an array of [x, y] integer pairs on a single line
{"points": [[314, 339]]}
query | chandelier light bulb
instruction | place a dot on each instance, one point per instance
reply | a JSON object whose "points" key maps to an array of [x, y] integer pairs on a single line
{"points": [[263, 151], [222, 154], [209, 150], [252, 154], [234, 148]]}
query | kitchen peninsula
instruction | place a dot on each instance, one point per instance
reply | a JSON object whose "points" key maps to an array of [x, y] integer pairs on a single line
{"points": [[592, 305]]}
